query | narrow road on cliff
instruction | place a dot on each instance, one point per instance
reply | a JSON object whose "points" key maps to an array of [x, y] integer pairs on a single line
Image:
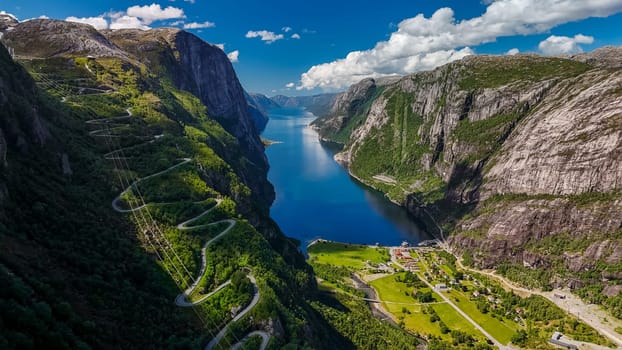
{"points": [[182, 299]]}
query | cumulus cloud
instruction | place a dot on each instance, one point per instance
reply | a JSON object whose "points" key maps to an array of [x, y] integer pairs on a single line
{"points": [[195, 25], [295, 36], [289, 85], [140, 17], [286, 29], [97, 22], [423, 43], [126, 22], [559, 45], [512, 52], [268, 37], [154, 12], [233, 56], [220, 46]]}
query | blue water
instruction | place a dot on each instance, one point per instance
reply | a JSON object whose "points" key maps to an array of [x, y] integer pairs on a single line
{"points": [[317, 198]]}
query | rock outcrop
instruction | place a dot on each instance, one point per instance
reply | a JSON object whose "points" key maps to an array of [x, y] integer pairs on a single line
{"points": [[43, 38]]}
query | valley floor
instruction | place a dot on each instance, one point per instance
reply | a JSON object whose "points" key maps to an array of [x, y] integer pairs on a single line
{"points": [[426, 289]]}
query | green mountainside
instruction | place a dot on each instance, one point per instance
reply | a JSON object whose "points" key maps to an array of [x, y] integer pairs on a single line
{"points": [[517, 159], [80, 274]]}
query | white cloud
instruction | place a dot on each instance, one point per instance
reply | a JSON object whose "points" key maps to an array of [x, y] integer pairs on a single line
{"points": [[125, 22], [96, 22], [190, 1], [43, 17], [177, 23], [289, 85], [286, 29], [423, 43], [559, 45], [295, 36], [154, 12], [268, 37], [220, 46], [512, 52], [195, 25], [114, 14], [233, 56]]}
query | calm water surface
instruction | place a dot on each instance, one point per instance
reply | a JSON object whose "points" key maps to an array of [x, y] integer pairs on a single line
{"points": [[316, 198]]}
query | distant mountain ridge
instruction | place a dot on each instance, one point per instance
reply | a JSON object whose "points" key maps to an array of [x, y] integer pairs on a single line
{"points": [[316, 104]]}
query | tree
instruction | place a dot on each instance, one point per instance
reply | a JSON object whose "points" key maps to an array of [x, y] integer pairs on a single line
{"points": [[520, 338]]}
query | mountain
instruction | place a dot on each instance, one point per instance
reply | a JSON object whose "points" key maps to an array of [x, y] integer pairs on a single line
{"points": [[132, 181], [193, 65], [316, 104], [262, 102], [259, 106], [348, 108], [517, 159]]}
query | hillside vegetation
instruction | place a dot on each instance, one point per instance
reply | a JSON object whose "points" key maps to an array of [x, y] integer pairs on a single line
{"points": [[77, 273]]}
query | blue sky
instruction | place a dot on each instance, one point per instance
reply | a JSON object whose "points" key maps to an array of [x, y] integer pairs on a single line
{"points": [[378, 37]]}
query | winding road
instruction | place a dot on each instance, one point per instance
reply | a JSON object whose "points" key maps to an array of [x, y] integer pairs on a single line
{"points": [[182, 299]]}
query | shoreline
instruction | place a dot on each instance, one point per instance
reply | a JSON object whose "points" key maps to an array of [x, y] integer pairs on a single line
{"points": [[338, 157]]}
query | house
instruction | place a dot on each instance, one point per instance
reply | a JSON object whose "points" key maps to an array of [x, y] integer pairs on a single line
{"points": [[476, 294], [440, 287]]}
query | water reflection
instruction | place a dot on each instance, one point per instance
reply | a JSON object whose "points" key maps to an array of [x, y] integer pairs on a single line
{"points": [[317, 198]]}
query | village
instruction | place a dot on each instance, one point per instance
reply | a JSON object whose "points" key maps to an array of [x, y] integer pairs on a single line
{"points": [[424, 290]]}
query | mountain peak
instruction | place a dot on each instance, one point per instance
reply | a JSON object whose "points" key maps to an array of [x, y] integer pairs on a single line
{"points": [[42, 38]]}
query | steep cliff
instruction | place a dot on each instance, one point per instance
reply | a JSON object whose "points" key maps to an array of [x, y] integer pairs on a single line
{"points": [[349, 108], [205, 71], [260, 105], [504, 154]]}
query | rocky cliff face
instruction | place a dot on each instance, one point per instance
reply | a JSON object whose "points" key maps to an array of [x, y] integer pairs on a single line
{"points": [[202, 69], [43, 38], [501, 152], [260, 105]]}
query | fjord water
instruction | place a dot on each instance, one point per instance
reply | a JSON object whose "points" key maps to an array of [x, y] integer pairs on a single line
{"points": [[317, 198]]}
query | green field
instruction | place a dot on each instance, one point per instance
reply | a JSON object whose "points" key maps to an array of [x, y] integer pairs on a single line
{"points": [[415, 319], [501, 330], [348, 255]]}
